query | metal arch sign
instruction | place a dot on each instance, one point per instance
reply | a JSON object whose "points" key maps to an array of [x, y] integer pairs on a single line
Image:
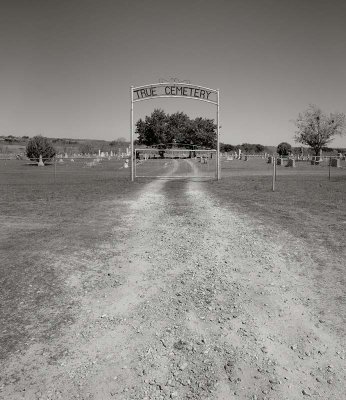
{"points": [[176, 90]]}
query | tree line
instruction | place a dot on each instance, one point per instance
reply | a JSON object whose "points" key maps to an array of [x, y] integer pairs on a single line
{"points": [[178, 129], [315, 129]]}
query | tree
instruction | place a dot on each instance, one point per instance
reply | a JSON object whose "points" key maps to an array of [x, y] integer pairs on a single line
{"points": [[259, 148], [40, 146], [118, 142], [152, 130], [163, 129], [204, 132], [226, 148], [316, 129], [87, 148], [284, 149]]}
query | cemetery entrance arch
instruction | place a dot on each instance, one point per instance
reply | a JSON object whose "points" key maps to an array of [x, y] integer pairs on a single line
{"points": [[174, 90]]}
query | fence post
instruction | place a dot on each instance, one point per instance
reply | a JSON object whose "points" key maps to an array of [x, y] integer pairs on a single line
{"points": [[330, 161], [274, 174], [54, 169]]}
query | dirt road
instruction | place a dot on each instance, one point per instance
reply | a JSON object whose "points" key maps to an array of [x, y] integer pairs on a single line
{"points": [[195, 302]]}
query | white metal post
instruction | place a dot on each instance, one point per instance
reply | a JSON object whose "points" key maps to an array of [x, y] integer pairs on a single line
{"points": [[218, 136], [131, 123]]}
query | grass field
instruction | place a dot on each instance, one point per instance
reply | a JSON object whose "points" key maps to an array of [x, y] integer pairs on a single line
{"points": [[52, 231]]}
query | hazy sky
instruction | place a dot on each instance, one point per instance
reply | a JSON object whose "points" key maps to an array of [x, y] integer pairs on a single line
{"points": [[66, 66]]}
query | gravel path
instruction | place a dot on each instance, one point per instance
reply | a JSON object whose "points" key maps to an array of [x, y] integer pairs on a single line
{"points": [[196, 303]]}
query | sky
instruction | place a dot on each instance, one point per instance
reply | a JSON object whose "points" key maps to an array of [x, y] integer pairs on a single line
{"points": [[66, 67]]}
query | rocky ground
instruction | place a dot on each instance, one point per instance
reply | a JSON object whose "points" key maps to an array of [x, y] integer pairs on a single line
{"points": [[190, 300]]}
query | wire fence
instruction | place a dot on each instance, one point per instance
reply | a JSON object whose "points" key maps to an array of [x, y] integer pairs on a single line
{"points": [[95, 169]]}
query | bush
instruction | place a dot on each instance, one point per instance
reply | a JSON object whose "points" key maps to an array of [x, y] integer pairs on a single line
{"points": [[87, 148], [40, 145], [284, 149]]}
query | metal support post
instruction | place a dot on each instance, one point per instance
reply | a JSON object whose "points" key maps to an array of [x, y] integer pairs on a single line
{"points": [[131, 148], [218, 136]]}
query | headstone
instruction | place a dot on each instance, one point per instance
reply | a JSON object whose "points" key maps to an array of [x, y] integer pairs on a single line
{"points": [[335, 162], [40, 162], [66, 156], [126, 164], [102, 154], [61, 160]]}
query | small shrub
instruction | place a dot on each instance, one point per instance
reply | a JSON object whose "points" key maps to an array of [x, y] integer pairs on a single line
{"points": [[40, 145], [284, 149]]}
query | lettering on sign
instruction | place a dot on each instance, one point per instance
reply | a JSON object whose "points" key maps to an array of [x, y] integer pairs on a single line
{"points": [[174, 90]]}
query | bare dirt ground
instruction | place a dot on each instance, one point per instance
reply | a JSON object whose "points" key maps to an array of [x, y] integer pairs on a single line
{"points": [[192, 301]]}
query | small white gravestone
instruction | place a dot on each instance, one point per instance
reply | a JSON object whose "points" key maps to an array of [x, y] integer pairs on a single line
{"points": [[66, 156], [111, 153], [61, 160], [72, 160], [126, 163], [40, 162], [99, 153], [102, 154]]}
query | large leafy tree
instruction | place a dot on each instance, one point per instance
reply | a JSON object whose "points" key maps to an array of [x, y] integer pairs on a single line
{"points": [[316, 129], [163, 129], [152, 130]]}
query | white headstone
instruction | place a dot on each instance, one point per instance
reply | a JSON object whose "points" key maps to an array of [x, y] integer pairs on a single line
{"points": [[40, 162]]}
